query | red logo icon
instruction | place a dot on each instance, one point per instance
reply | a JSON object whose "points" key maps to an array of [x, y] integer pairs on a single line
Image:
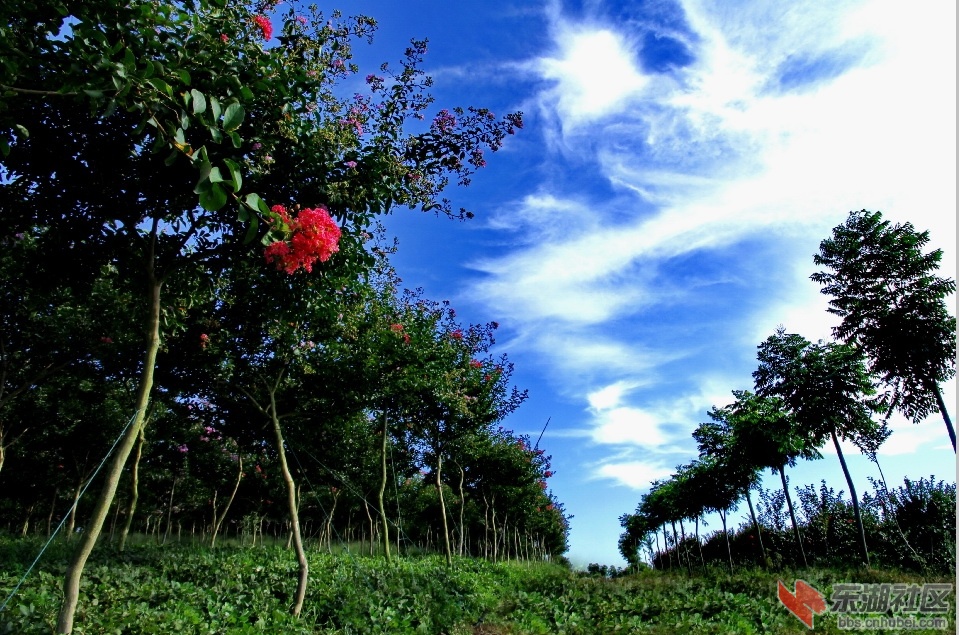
{"points": [[804, 602]]}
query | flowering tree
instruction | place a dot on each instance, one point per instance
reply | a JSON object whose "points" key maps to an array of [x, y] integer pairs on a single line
{"points": [[151, 134]]}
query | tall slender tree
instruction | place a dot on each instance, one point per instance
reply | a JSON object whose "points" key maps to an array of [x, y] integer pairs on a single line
{"points": [[892, 305], [827, 389]]}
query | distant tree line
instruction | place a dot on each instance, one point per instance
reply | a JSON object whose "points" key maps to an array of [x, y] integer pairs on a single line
{"points": [[895, 346]]}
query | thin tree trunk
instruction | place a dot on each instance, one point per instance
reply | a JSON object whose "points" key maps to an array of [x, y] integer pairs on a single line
{"points": [[292, 504], [855, 501], [486, 528], [169, 510], [759, 533], [729, 549], [462, 509], [439, 489], [71, 525], [702, 559], [945, 415], [53, 506], [689, 559], [792, 515], [659, 553], [134, 490], [383, 476], [669, 554], [328, 530], [366, 507], [218, 520], [71, 583]]}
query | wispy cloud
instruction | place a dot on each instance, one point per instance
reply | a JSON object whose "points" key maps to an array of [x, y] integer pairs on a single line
{"points": [[775, 122]]}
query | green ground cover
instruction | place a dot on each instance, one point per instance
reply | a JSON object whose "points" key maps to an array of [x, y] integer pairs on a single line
{"points": [[188, 590]]}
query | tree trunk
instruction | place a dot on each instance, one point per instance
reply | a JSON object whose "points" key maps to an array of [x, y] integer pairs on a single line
{"points": [[53, 506], [72, 524], [439, 489], [702, 560], [689, 559], [486, 528], [729, 549], [462, 508], [292, 504], [71, 583], [855, 501], [759, 533], [383, 521], [669, 554], [945, 415], [218, 520], [169, 510], [792, 515], [328, 530], [134, 490]]}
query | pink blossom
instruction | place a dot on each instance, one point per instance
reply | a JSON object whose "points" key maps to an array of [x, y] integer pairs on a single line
{"points": [[183, 449], [224, 37], [314, 235], [265, 26], [350, 164]]}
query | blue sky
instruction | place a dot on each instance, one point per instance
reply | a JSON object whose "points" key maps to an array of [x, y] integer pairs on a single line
{"points": [[656, 218]]}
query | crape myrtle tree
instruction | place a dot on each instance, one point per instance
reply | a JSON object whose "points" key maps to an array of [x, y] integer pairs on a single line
{"points": [[893, 307], [159, 135], [827, 389], [458, 394]]}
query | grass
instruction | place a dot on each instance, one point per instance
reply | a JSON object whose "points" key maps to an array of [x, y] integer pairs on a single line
{"points": [[234, 590]]}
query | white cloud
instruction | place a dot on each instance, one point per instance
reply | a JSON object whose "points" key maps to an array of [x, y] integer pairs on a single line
{"points": [[635, 474], [714, 156], [594, 72]]}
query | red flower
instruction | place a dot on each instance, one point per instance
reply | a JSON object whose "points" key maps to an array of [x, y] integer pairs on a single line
{"points": [[476, 363], [106, 340], [314, 236], [266, 27], [396, 328], [224, 37], [457, 334]]}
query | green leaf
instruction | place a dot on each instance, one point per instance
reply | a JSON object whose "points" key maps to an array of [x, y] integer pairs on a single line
{"points": [[171, 158], [4, 146], [233, 117], [21, 131], [215, 109], [255, 202], [161, 85], [184, 76], [199, 101], [214, 198], [96, 94], [236, 139], [236, 177], [251, 230], [215, 176]]}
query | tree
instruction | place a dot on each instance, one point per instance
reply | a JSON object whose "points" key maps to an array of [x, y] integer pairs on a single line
{"points": [[827, 389], [149, 135], [769, 437], [893, 306]]}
